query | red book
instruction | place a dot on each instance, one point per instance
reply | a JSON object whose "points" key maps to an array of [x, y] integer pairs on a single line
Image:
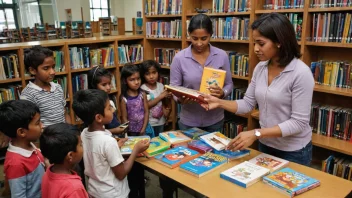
{"points": [[188, 93]]}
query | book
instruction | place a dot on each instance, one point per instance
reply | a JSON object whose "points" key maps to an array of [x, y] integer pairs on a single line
{"points": [[210, 77], [291, 182], [203, 164], [216, 140], [180, 92], [157, 146], [127, 148], [176, 156], [268, 161], [244, 174], [199, 146], [194, 133], [232, 155], [175, 138]]}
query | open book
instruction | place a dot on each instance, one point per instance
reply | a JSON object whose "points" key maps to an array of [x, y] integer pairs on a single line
{"points": [[188, 93]]}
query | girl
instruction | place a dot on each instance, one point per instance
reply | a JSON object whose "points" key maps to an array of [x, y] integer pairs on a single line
{"points": [[134, 104], [159, 108]]}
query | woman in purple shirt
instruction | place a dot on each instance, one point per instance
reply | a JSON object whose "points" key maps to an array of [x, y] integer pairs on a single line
{"points": [[282, 85], [187, 69]]}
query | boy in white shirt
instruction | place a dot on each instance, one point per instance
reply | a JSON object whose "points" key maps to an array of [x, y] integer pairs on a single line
{"points": [[104, 164]]}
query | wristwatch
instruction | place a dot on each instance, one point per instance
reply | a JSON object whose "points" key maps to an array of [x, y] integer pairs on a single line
{"points": [[257, 133]]}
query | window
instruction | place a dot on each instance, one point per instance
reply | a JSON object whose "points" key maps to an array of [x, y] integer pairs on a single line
{"points": [[8, 17], [99, 8]]}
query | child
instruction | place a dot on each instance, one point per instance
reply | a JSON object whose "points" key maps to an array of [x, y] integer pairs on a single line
{"points": [[100, 78], [159, 108], [104, 164], [24, 164], [134, 104], [49, 96], [62, 145]]}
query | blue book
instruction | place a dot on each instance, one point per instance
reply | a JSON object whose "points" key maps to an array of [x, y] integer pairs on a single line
{"points": [[232, 155], [176, 156], [194, 133], [291, 182]]}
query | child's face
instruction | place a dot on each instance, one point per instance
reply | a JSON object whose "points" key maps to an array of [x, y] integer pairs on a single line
{"points": [[77, 156], [108, 113], [46, 71], [105, 84], [35, 129], [134, 81], [151, 76]]}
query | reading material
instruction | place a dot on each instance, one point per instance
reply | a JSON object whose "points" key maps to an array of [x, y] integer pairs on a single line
{"points": [[210, 77]]}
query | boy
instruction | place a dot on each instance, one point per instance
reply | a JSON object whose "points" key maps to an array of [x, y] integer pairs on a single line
{"points": [[24, 164], [62, 145], [49, 96], [104, 164]]}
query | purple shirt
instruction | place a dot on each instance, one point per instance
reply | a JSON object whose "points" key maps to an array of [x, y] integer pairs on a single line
{"points": [[286, 103], [187, 72]]}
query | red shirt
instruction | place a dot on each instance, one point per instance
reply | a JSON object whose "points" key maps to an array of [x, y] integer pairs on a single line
{"points": [[62, 185]]}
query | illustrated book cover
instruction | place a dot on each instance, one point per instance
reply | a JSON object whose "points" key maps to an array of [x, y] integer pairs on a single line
{"points": [[157, 146], [210, 77], [232, 155], [127, 148], [216, 140], [268, 161], [199, 146], [176, 156]]}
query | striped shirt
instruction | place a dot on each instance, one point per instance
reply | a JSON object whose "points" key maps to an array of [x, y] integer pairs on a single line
{"points": [[51, 103]]}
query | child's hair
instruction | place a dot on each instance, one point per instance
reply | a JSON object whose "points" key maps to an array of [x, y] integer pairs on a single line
{"points": [[95, 75], [88, 103], [15, 114], [146, 65], [33, 57], [200, 21], [57, 140], [127, 71]]}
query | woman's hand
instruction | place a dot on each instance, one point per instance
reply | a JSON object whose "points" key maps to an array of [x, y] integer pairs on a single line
{"points": [[242, 141], [185, 100], [213, 102], [216, 91]]}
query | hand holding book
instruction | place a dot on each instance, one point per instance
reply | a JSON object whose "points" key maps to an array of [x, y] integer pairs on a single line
{"points": [[212, 102], [216, 91]]}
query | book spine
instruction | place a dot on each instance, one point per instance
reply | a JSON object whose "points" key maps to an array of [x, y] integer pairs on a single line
{"points": [[233, 180]]}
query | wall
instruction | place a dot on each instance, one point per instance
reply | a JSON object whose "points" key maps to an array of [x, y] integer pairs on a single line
{"points": [[131, 7], [75, 6]]}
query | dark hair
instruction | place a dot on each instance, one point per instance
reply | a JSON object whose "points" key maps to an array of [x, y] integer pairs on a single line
{"points": [[127, 71], [33, 57], [15, 114], [200, 21], [95, 75], [279, 29], [146, 65], [88, 103], [57, 140]]}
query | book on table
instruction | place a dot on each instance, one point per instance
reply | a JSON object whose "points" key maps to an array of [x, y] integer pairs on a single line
{"points": [[176, 156], [157, 146], [216, 140], [128, 146], [176, 138], [232, 155], [268, 161], [194, 133], [199, 146]]}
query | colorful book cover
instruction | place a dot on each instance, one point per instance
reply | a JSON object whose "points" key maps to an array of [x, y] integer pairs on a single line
{"points": [[268, 161], [194, 133], [199, 146], [127, 148], [203, 164], [291, 182], [210, 77], [157, 146], [216, 140], [232, 155], [176, 156], [244, 174], [174, 137]]}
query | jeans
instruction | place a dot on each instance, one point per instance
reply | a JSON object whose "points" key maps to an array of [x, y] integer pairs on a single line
{"points": [[212, 128], [302, 156], [158, 129]]}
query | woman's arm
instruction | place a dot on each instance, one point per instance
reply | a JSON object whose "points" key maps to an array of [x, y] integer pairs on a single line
{"points": [[123, 111], [146, 113]]}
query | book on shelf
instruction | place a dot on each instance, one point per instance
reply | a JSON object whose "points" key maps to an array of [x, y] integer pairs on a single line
{"points": [[59, 61], [157, 146], [231, 127], [212, 77], [162, 7], [9, 67], [164, 56], [290, 182], [79, 82], [130, 53], [84, 57], [234, 28], [164, 29], [225, 6], [175, 138], [338, 166], [128, 146], [194, 133], [203, 164], [328, 4], [244, 174], [239, 63], [62, 81], [199, 146], [216, 140], [176, 156], [232, 155], [278, 5], [13, 92], [296, 20], [180, 92], [268, 161]]}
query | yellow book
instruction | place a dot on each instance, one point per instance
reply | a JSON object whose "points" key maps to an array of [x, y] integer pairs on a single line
{"points": [[327, 74], [212, 77]]}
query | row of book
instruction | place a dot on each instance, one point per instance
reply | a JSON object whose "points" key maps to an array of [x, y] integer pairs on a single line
{"points": [[331, 121], [9, 67], [234, 28], [331, 27], [13, 92], [224, 6], [164, 29], [338, 166], [164, 56], [59, 59], [296, 20], [80, 82], [84, 57], [330, 3], [237, 93], [130, 53], [239, 63], [232, 128], [165, 80], [162, 7], [283, 4], [336, 74], [63, 82]]}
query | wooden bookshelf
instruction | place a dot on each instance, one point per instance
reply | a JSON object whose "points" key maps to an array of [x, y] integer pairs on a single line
{"points": [[10, 80], [280, 11], [222, 14], [164, 16], [333, 9], [164, 39]]}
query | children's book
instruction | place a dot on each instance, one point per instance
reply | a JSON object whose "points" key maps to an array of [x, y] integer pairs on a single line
{"points": [[194, 133], [269, 161], [157, 146], [210, 77], [176, 138], [216, 140], [244, 174], [232, 155], [199, 146], [186, 92], [176, 156], [291, 182], [127, 148], [203, 164]]}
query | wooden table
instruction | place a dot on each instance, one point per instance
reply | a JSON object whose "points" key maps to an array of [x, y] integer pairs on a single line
{"points": [[211, 185]]}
